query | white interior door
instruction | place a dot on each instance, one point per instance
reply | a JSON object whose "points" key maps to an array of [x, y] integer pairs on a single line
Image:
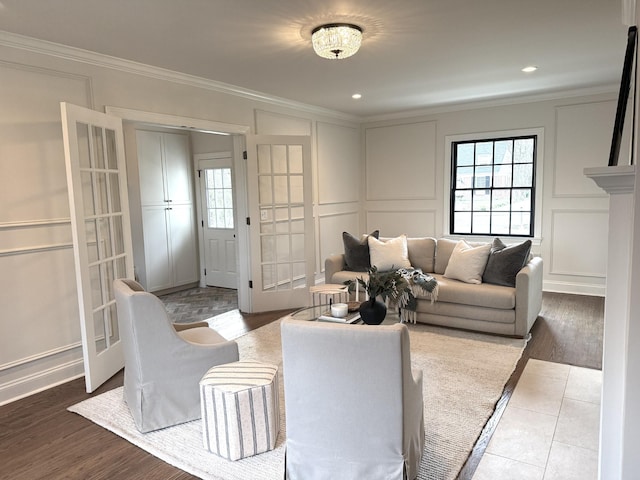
{"points": [[219, 222], [281, 221], [99, 206]]}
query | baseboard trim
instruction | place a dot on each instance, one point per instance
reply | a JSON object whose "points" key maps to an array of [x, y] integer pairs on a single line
{"points": [[37, 382], [574, 288]]}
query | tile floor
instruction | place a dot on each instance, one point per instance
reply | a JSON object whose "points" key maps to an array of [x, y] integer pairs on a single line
{"points": [[550, 428]]}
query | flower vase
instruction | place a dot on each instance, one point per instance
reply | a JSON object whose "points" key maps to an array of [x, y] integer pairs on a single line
{"points": [[372, 311]]}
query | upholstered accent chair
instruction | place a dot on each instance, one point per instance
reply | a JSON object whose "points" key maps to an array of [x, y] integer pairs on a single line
{"points": [[353, 404], [163, 366]]}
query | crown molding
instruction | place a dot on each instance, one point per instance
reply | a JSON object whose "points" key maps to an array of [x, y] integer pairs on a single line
{"points": [[497, 102], [65, 52], [101, 60]]}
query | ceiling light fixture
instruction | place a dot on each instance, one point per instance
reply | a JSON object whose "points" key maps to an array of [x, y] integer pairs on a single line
{"points": [[529, 69], [336, 40], [356, 96]]}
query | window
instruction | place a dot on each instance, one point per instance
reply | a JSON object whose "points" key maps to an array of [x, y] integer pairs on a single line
{"points": [[219, 194], [493, 186]]}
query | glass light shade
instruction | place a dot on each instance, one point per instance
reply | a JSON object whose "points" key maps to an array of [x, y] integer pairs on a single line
{"points": [[336, 40]]}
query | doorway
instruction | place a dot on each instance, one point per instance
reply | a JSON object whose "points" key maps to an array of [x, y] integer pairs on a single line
{"points": [[237, 132], [276, 252]]}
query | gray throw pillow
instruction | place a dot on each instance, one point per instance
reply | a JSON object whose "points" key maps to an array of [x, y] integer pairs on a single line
{"points": [[356, 251], [505, 262]]}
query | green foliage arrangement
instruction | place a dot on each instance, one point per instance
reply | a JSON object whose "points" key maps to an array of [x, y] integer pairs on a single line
{"points": [[391, 285]]}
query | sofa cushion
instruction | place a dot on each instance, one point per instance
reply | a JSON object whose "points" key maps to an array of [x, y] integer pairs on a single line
{"points": [[467, 316], [444, 248], [422, 252], [356, 251], [483, 295], [505, 262], [346, 275], [467, 263], [389, 255]]}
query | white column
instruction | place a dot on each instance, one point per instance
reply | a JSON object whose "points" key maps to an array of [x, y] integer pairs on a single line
{"points": [[620, 407]]}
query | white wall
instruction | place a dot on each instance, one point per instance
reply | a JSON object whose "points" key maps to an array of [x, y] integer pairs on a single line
{"points": [[407, 179], [210, 143], [39, 325]]}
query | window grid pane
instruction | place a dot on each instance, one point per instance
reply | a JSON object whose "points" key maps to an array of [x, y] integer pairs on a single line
{"points": [[219, 195], [493, 186]]}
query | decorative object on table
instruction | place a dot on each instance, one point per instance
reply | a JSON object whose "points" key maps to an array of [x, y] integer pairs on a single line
{"points": [[339, 310], [328, 293], [388, 285], [350, 317], [353, 306], [396, 287], [373, 311]]}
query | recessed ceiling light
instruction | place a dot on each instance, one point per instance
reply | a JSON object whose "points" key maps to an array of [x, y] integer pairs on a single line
{"points": [[529, 69], [356, 96]]}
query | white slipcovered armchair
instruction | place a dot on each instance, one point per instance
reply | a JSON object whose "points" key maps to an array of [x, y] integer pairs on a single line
{"points": [[163, 367], [354, 407]]}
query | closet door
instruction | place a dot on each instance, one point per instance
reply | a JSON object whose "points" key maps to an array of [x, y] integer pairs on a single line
{"points": [[179, 188], [182, 233], [157, 252], [150, 165], [166, 193]]}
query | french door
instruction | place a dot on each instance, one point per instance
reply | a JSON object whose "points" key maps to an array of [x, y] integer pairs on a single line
{"points": [[99, 207], [281, 221]]}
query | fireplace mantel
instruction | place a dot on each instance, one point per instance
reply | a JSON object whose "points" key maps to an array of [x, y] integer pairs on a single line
{"points": [[620, 403]]}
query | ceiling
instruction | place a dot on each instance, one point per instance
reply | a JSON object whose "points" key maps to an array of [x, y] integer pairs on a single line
{"points": [[415, 54]]}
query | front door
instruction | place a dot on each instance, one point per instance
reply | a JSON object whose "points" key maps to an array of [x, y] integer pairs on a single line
{"points": [[281, 221], [99, 206], [219, 222]]}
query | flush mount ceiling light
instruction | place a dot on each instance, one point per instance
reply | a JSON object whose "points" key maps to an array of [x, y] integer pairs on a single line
{"points": [[530, 69], [336, 40]]}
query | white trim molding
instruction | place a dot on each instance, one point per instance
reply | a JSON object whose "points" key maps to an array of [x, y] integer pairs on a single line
{"points": [[92, 58], [27, 384]]}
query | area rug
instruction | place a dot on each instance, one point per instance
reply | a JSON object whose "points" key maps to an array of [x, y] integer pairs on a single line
{"points": [[463, 373]]}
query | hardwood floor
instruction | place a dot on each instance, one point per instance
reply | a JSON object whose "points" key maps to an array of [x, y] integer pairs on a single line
{"points": [[39, 439]]}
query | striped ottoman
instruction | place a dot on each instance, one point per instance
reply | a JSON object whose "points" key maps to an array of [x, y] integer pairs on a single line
{"points": [[240, 409]]}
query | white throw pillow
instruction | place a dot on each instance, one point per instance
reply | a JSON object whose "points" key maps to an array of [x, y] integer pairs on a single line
{"points": [[467, 263], [389, 255]]}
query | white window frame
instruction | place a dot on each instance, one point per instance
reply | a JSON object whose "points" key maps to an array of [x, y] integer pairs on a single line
{"points": [[539, 176]]}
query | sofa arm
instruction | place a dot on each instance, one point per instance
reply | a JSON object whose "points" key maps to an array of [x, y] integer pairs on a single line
{"points": [[333, 264], [528, 296], [179, 327]]}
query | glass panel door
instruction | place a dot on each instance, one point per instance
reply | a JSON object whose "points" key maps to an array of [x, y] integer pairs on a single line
{"points": [[280, 199], [96, 178]]}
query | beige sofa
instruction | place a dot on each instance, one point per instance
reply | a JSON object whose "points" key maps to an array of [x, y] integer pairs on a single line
{"points": [[484, 307]]}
